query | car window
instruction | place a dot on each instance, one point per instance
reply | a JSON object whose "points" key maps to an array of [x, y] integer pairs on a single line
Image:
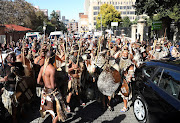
{"points": [[148, 71], [157, 77], [170, 82]]}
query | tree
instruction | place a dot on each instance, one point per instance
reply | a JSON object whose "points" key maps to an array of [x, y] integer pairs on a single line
{"points": [[151, 7], [109, 14], [126, 22], [164, 10], [20, 12], [58, 25]]}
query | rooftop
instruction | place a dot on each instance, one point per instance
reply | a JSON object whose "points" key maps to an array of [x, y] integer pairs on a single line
{"points": [[13, 27]]}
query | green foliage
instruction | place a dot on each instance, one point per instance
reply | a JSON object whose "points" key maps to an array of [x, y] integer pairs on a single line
{"points": [[109, 14], [22, 13], [135, 21], [151, 7], [126, 22], [58, 25], [175, 13]]}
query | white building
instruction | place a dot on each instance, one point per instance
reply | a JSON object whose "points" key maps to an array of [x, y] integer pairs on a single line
{"points": [[58, 12], [83, 23], [92, 9]]}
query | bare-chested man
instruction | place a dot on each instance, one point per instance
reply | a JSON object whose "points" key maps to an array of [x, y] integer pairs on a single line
{"points": [[50, 92]]}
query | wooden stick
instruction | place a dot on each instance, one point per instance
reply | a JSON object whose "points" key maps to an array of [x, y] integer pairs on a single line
{"points": [[153, 48], [98, 48], [66, 68], [2, 61], [23, 52], [5, 40]]}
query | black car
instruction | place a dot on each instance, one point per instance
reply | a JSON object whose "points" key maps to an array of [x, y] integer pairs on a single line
{"points": [[156, 92]]}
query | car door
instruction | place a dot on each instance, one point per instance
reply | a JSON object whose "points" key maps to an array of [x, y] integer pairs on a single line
{"points": [[150, 91], [170, 90]]}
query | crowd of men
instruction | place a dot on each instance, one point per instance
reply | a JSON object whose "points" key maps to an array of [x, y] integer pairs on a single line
{"points": [[85, 68]]}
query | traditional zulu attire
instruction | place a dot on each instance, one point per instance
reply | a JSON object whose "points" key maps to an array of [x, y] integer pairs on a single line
{"points": [[10, 87], [51, 96], [74, 84], [123, 66]]}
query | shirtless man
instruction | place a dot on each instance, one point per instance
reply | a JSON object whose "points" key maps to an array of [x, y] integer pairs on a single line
{"points": [[50, 93]]}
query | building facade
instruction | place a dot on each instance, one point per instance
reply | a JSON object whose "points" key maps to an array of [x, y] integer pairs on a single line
{"points": [[83, 24], [92, 9], [45, 11], [72, 26], [58, 12]]}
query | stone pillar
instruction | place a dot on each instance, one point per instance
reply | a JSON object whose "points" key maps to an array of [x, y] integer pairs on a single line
{"points": [[133, 32], [140, 29]]}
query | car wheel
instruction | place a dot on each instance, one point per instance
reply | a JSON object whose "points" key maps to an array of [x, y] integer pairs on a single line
{"points": [[140, 109]]}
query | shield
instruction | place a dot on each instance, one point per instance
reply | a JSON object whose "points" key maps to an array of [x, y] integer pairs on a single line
{"points": [[25, 91], [108, 81], [125, 89]]}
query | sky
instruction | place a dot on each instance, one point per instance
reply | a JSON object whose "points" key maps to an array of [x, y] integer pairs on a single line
{"points": [[68, 8]]}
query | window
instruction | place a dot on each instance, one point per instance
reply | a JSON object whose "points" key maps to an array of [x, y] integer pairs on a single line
{"points": [[124, 7], [127, 7], [121, 7], [94, 18], [132, 12], [94, 23], [127, 12], [148, 71], [124, 12], [117, 7], [158, 76], [95, 13], [170, 83], [116, 3], [96, 7]]}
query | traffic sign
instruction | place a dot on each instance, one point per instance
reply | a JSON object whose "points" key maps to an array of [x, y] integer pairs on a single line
{"points": [[114, 23], [156, 25]]}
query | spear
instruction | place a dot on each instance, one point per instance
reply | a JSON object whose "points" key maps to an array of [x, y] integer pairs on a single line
{"points": [[98, 48], [66, 54], [5, 40], [78, 53], [23, 52]]}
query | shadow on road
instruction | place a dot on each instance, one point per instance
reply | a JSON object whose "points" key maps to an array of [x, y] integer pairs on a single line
{"points": [[88, 114], [117, 119]]}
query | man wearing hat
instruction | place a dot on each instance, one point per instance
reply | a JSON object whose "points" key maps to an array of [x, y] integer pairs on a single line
{"points": [[9, 78], [74, 71], [127, 68], [158, 53]]}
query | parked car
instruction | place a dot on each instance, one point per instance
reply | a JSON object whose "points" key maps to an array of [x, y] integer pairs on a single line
{"points": [[33, 35], [56, 34], [156, 92]]}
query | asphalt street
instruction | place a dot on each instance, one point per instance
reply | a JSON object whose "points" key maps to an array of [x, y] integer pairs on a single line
{"points": [[91, 113]]}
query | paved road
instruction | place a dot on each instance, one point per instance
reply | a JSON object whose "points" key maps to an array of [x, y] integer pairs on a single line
{"points": [[87, 114]]}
